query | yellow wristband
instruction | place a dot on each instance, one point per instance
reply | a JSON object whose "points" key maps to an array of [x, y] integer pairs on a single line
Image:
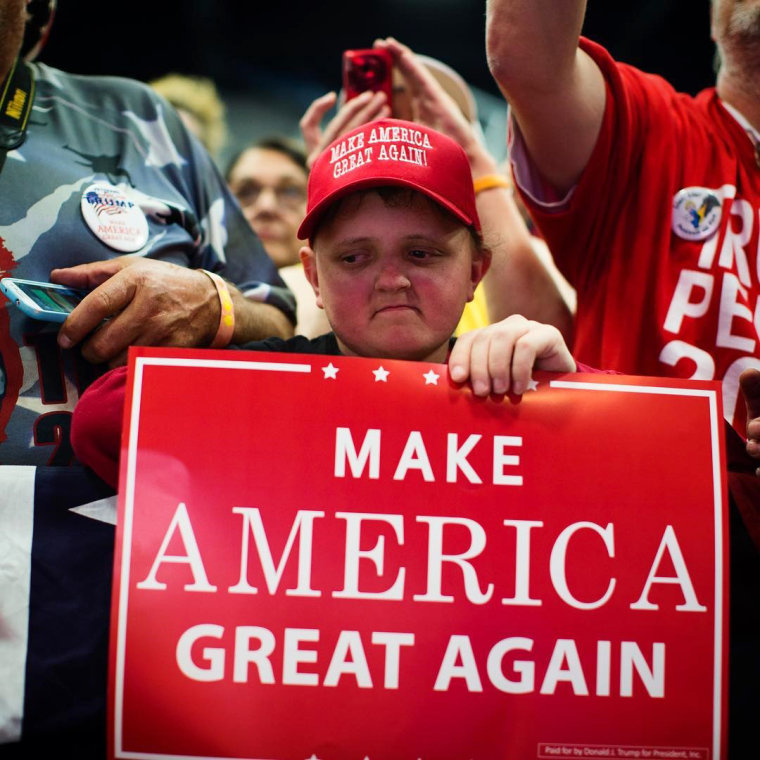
{"points": [[488, 181], [227, 317]]}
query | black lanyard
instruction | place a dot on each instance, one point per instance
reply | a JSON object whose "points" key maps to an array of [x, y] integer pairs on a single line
{"points": [[16, 97]]}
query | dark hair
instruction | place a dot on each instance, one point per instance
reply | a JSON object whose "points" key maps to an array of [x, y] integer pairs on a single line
{"points": [[292, 149]]}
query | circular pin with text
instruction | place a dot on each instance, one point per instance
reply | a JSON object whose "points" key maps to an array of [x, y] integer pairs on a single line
{"points": [[696, 213], [116, 220]]}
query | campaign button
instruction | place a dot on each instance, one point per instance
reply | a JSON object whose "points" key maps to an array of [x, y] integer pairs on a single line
{"points": [[116, 220], [696, 213]]}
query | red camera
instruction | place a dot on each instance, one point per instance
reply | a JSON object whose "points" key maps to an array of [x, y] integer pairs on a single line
{"points": [[370, 69]]}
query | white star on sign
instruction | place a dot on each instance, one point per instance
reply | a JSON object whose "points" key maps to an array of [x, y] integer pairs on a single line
{"points": [[532, 385], [331, 372], [431, 378], [381, 375], [313, 757]]}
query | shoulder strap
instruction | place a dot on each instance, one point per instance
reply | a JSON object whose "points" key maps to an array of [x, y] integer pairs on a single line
{"points": [[16, 98]]}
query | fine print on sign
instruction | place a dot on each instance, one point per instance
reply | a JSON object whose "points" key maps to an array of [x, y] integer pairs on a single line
{"points": [[331, 558]]}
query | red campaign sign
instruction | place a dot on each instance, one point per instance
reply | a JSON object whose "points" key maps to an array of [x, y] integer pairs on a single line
{"points": [[331, 558]]}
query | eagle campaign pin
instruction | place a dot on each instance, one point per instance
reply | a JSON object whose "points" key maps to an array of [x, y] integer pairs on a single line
{"points": [[696, 213], [116, 220]]}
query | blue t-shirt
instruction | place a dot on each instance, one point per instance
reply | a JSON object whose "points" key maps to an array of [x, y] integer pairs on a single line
{"points": [[109, 132]]}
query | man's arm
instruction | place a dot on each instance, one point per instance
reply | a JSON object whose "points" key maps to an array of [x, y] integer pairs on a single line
{"points": [[518, 281], [556, 92], [154, 303]]}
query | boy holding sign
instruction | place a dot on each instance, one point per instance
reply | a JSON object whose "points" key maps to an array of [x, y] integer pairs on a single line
{"points": [[394, 254]]}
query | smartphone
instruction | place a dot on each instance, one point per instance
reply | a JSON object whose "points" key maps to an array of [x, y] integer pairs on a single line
{"points": [[370, 69], [41, 300]]}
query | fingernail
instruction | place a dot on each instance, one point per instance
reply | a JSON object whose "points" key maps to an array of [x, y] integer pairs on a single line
{"points": [[64, 341], [518, 389], [479, 388], [457, 374]]}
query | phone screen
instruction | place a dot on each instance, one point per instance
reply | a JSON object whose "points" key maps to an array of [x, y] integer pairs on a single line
{"points": [[61, 300]]}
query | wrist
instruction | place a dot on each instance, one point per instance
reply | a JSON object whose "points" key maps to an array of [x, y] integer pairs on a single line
{"points": [[226, 328], [491, 181], [481, 162]]}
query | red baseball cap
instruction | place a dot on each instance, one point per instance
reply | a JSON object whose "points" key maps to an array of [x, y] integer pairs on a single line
{"points": [[391, 152]]}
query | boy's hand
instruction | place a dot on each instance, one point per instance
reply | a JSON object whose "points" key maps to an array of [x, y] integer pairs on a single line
{"points": [[749, 382], [501, 357]]}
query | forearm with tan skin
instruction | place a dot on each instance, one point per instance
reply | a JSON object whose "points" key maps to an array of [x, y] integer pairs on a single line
{"points": [[556, 91], [518, 281], [255, 320], [154, 303]]}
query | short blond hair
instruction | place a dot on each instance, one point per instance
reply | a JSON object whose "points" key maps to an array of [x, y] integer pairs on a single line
{"points": [[200, 98]]}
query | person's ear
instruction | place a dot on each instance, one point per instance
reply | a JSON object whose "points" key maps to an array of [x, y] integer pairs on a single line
{"points": [[480, 264], [309, 261]]}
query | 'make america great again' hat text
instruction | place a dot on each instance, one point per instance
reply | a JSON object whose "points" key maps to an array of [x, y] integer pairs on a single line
{"points": [[391, 152]]}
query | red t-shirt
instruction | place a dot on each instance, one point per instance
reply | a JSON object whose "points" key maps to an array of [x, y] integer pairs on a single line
{"points": [[652, 300]]}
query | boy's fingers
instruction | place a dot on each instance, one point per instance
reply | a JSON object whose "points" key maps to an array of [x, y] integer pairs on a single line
{"points": [[503, 355], [523, 361], [500, 362], [480, 379], [459, 358], [541, 347]]}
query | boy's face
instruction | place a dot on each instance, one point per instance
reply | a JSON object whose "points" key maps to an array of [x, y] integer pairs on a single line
{"points": [[393, 280]]}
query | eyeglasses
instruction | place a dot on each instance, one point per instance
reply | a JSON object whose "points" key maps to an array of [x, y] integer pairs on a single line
{"points": [[289, 196]]}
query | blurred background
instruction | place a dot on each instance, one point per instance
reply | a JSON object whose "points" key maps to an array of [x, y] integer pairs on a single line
{"points": [[269, 60]]}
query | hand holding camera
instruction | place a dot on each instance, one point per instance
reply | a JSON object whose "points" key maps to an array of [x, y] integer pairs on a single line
{"points": [[372, 91], [368, 69]]}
